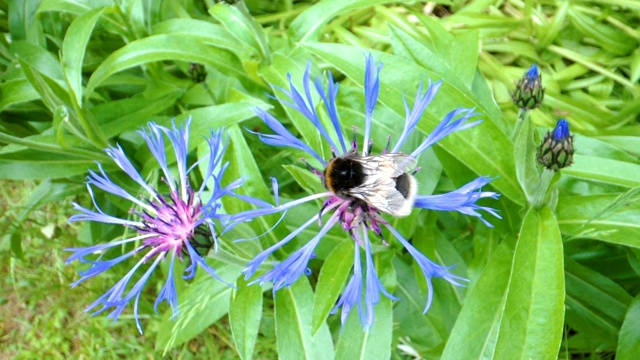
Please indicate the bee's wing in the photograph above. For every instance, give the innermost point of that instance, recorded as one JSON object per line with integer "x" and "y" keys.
{"x": 379, "y": 188}
{"x": 391, "y": 165}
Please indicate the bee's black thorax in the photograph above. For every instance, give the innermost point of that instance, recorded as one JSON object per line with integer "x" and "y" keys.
{"x": 342, "y": 174}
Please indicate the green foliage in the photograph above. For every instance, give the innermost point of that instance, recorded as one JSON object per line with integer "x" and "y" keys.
{"x": 558, "y": 276}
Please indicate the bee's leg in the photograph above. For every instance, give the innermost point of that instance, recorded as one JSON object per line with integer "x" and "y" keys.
{"x": 386, "y": 148}
{"x": 354, "y": 142}
{"x": 312, "y": 169}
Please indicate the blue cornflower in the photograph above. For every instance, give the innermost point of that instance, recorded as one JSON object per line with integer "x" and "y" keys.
{"x": 167, "y": 226}
{"x": 360, "y": 212}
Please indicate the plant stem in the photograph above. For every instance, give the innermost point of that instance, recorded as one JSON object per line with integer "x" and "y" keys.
{"x": 543, "y": 186}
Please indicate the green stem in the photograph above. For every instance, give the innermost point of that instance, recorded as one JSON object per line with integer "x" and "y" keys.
{"x": 543, "y": 186}
{"x": 523, "y": 115}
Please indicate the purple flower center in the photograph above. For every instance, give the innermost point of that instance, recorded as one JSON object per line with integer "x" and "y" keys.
{"x": 173, "y": 223}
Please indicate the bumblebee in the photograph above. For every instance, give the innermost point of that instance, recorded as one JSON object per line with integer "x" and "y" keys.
{"x": 381, "y": 181}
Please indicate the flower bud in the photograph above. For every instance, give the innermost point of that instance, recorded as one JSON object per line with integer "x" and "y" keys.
{"x": 197, "y": 72}
{"x": 556, "y": 150}
{"x": 529, "y": 91}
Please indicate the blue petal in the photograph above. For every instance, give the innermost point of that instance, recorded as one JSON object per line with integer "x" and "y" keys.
{"x": 168, "y": 291}
{"x": 102, "y": 181}
{"x": 446, "y": 127}
{"x": 462, "y": 200}
{"x": 100, "y": 266}
{"x": 283, "y": 137}
{"x": 371, "y": 90}
{"x": 197, "y": 260}
{"x": 532, "y": 73}
{"x": 352, "y": 294}
{"x": 179, "y": 137}
{"x": 305, "y": 106}
{"x": 90, "y": 215}
{"x": 118, "y": 156}
{"x": 373, "y": 286}
{"x": 428, "y": 267}
{"x": 80, "y": 253}
{"x": 254, "y": 264}
{"x": 288, "y": 271}
{"x": 217, "y": 148}
{"x": 155, "y": 142}
{"x": 561, "y": 131}
{"x": 249, "y": 215}
{"x": 413, "y": 116}
{"x": 329, "y": 100}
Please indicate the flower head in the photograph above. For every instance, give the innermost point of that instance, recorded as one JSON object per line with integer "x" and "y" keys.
{"x": 362, "y": 189}
{"x": 529, "y": 91}
{"x": 556, "y": 150}
{"x": 178, "y": 224}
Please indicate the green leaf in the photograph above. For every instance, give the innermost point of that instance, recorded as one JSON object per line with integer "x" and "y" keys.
{"x": 34, "y": 164}
{"x": 40, "y": 60}
{"x": 15, "y": 92}
{"x": 407, "y": 312}
{"x": 242, "y": 26}
{"x": 356, "y": 343}
{"x": 629, "y": 341}
{"x": 635, "y": 66}
{"x": 595, "y": 305}
{"x": 333, "y": 276}
{"x": 208, "y": 32}
{"x": 203, "y": 303}
{"x": 44, "y": 72}
{"x": 525, "y": 154}
{"x": 23, "y": 22}
{"x": 118, "y": 116}
{"x": 548, "y": 30}
{"x": 533, "y": 319}
{"x": 439, "y": 65}
{"x": 608, "y": 218}
{"x": 51, "y": 93}
{"x": 76, "y": 7}
{"x": 471, "y": 146}
{"x": 604, "y": 170}
{"x": 308, "y": 25}
{"x": 74, "y": 47}
{"x": 625, "y": 137}
{"x": 306, "y": 179}
{"x": 245, "y": 313}
{"x": 293, "y": 325}
{"x": 161, "y": 48}
{"x": 460, "y": 53}
{"x": 592, "y": 115}
{"x": 475, "y": 333}
{"x": 608, "y": 37}
{"x": 601, "y": 147}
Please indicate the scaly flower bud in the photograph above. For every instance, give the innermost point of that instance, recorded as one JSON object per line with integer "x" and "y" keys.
{"x": 556, "y": 150}
{"x": 197, "y": 72}
{"x": 529, "y": 91}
